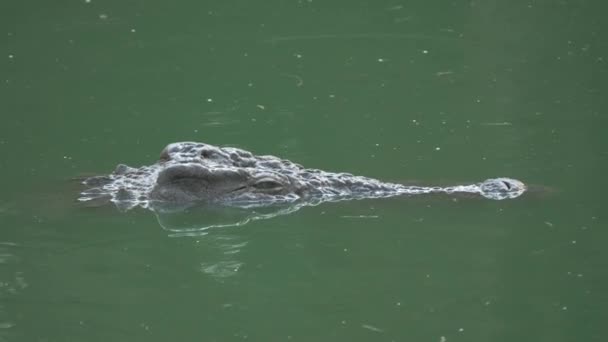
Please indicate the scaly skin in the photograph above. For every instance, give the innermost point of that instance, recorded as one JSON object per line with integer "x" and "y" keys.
{"x": 190, "y": 172}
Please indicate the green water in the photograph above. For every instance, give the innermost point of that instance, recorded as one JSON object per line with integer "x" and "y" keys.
{"x": 435, "y": 92}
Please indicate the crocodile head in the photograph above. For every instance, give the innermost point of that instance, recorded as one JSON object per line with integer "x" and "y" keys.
{"x": 191, "y": 172}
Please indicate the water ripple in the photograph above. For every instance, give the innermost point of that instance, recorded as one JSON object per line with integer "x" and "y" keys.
{"x": 12, "y": 282}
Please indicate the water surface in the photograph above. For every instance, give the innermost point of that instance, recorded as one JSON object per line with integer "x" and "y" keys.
{"x": 401, "y": 91}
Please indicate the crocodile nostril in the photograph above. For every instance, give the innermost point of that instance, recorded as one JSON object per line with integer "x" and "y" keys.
{"x": 507, "y": 184}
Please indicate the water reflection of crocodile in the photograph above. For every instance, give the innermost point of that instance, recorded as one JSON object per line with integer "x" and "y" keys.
{"x": 189, "y": 173}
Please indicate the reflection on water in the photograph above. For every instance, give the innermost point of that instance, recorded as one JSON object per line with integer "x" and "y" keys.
{"x": 227, "y": 247}
{"x": 221, "y": 269}
{"x": 195, "y": 221}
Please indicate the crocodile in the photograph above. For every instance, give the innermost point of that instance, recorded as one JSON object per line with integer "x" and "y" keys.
{"x": 190, "y": 173}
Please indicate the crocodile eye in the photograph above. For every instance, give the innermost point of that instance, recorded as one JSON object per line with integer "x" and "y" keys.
{"x": 267, "y": 184}
{"x": 206, "y": 153}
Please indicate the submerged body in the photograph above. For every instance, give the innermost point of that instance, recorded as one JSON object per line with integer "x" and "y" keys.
{"x": 190, "y": 172}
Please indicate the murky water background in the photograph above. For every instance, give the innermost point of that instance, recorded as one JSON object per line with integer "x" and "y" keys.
{"x": 401, "y": 91}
